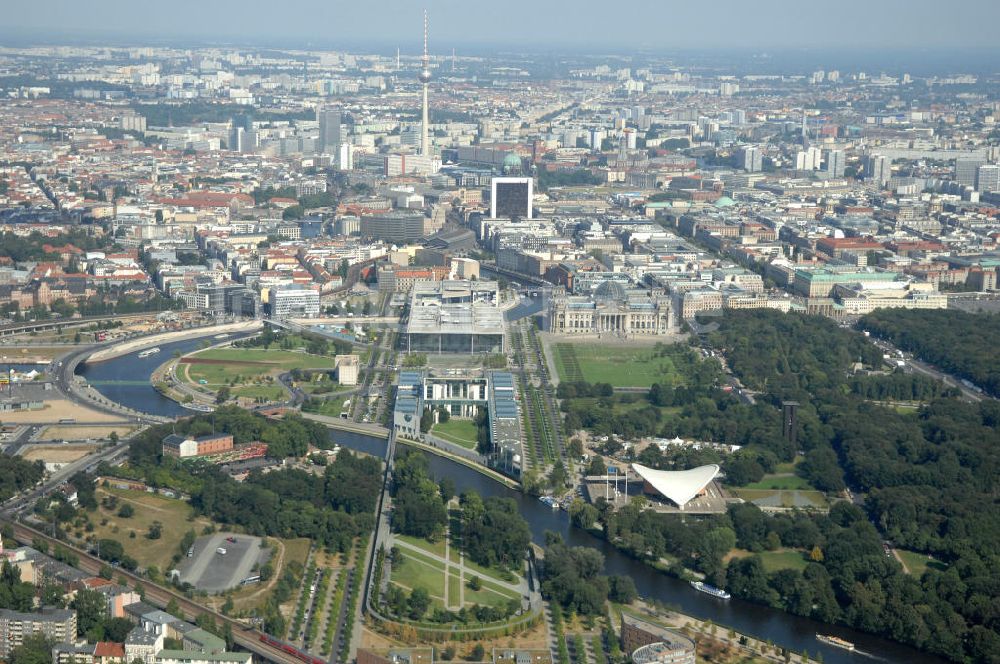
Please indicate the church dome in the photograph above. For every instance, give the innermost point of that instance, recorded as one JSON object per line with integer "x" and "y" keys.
{"x": 511, "y": 163}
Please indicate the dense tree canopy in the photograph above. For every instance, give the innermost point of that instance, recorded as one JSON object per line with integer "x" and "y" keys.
{"x": 955, "y": 341}
{"x": 931, "y": 480}
{"x": 493, "y": 532}
{"x": 18, "y": 474}
{"x": 419, "y": 509}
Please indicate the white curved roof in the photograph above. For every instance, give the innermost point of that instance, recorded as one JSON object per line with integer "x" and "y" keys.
{"x": 680, "y": 486}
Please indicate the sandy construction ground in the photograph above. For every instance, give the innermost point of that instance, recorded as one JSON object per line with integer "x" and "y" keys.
{"x": 58, "y": 453}
{"x": 58, "y": 409}
{"x": 71, "y": 432}
{"x": 28, "y": 353}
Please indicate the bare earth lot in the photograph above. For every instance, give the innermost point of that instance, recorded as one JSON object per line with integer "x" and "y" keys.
{"x": 58, "y": 453}
{"x": 70, "y": 432}
{"x": 58, "y": 409}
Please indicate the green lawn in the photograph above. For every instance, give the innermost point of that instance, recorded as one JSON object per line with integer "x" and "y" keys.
{"x": 269, "y": 392}
{"x": 777, "y": 560}
{"x": 621, "y": 366}
{"x": 434, "y": 548}
{"x": 789, "y": 466}
{"x": 778, "y": 498}
{"x": 460, "y": 432}
{"x": 485, "y": 573}
{"x": 784, "y": 482}
{"x": 329, "y": 407}
{"x": 269, "y": 363}
{"x": 416, "y": 571}
{"x": 487, "y": 596}
{"x": 917, "y": 563}
{"x": 454, "y": 589}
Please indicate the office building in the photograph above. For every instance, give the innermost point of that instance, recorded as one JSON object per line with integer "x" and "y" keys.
{"x": 836, "y": 162}
{"x": 511, "y": 197}
{"x": 966, "y": 169}
{"x": 877, "y": 169}
{"x": 455, "y": 317}
{"x": 988, "y": 179}
{"x": 753, "y": 159}
{"x": 294, "y": 302}
{"x": 237, "y": 139}
{"x": 329, "y": 130}
{"x": 808, "y": 159}
{"x": 395, "y": 226}
{"x": 464, "y": 393}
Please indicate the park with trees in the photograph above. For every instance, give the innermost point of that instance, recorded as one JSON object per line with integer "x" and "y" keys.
{"x": 927, "y": 475}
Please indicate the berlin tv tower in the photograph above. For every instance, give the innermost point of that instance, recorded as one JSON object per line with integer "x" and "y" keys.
{"x": 425, "y": 78}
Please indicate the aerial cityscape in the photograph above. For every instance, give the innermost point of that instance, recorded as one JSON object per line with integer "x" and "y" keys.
{"x": 557, "y": 334}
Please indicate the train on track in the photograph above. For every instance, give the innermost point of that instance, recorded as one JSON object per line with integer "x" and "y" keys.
{"x": 291, "y": 650}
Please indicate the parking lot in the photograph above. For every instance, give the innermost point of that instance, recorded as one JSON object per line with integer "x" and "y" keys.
{"x": 207, "y": 569}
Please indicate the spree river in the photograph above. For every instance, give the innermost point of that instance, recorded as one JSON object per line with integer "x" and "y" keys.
{"x": 122, "y": 379}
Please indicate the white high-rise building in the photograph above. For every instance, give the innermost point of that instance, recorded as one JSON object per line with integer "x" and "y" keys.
{"x": 753, "y": 159}
{"x": 345, "y": 157}
{"x": 878, "y": 169}
{"x": 808, "y": 160}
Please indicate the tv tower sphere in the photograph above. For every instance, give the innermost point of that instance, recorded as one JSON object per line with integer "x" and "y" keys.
{"x": 424, "y": 75}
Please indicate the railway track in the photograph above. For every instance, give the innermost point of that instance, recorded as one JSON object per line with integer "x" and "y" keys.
{"x": 247, "y": 638}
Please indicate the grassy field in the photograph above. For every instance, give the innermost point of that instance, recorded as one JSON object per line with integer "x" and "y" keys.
{"x": 267, "y": 392}
{"x": 485, "y": 573}
{"x": 621, "y": 366}
{"x": 778, "y": 498}
{"x": 917, "y": 563}
{"x": 460, "y": 432}
{"x": 454, "y": 588}
{"x": 417, "y": 570}
{"x": 774, "y": 560}
{"x": 260, "y": 363}
{"x": 782, "y": 482}
{"x": 489, "y": 595}
{"x": 413, "y": 570}
{"x": 174, "y": 515}
{"x": 329, "y": 407}
{"x": 433, "y": 548}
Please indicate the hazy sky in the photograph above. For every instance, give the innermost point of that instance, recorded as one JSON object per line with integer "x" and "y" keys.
{"x": 647, "y": 24}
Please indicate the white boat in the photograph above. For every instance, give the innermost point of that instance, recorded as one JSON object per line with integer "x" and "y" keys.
{"x": 710, "y": 590}
{"x": 834, "y": 641}
{"x": 149, "y": 351}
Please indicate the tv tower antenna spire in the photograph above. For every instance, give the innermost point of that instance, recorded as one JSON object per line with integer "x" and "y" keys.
{"x": 425, "y": 78}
